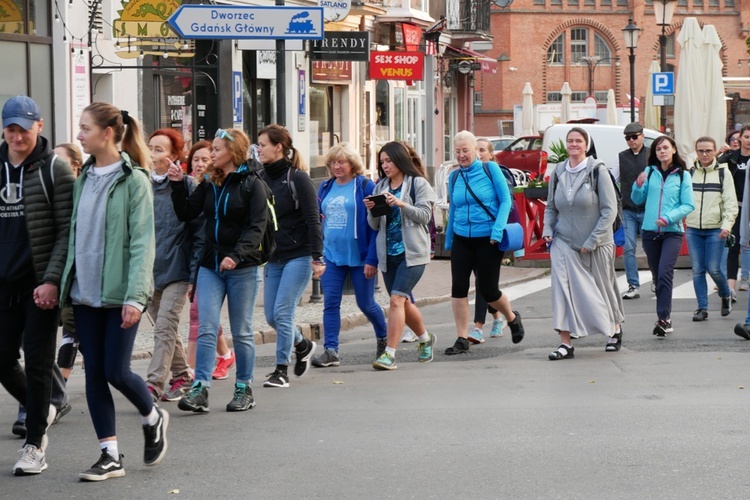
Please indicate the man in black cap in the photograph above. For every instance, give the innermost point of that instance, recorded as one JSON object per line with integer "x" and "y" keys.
{"x": 633, "y": 161}
{"x": 36, "y": 201}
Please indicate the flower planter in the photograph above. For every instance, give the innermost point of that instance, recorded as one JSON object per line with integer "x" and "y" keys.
{"x": 539, "y": 193}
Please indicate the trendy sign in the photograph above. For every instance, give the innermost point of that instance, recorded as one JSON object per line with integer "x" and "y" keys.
{"x": 396, "y": 65}
{"x": 341, "y": 46}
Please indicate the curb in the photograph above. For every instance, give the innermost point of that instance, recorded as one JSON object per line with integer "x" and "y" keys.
{"x": 313, "y": 331}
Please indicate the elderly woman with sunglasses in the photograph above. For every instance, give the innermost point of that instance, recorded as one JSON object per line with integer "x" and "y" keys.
{"x": 234, "y": 204}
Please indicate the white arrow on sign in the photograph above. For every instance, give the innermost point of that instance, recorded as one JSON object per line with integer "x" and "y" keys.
{"x": 228, "y": 22}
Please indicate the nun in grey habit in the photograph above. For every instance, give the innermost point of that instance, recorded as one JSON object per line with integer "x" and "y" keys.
{"x": 578, "y": 226}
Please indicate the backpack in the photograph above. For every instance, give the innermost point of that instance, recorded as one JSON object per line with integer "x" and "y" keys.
{"x": 514, "y": 215}
{"x": 595, "y": 182}
{"x": 47, "y": 176}
{"x": 268, "y": 241}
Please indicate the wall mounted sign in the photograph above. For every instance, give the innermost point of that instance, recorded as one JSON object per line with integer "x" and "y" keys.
{"x": 336, "y": 72}
{"x": 396, "y": 65}
{"x": 341, "y": 46}
{"x": 335, "y": 10}
{"x": 412, "y": 36}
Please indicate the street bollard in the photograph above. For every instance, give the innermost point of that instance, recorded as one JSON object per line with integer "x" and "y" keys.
{"x": 316, "y": 296}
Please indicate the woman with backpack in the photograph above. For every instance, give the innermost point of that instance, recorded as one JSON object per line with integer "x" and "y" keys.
{"x": 666, "y": 188}
{"x": 480, "y": 203}
{"x": 709, "y": 225}
{"x": 581, "y": 208}
{"x": 234, "y": 203}
{"x": 299, "y": 249}
{"x": 349, "y": 249}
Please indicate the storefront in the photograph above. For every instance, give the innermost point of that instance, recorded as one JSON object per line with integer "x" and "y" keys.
{"x": 259, "y": 90}
{"x": 26, "y": 55}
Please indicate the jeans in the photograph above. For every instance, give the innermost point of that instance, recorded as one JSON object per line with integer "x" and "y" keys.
{"x": 24, "y": 323}
{"x": 400, "y": 279}
{"x": 662, "y": 250}
{"x": 240, "y": 287}
{"x": 282, "y": 290}
{"x": 632, "y": 222}
{"x": 169, "y": 353}
{"x": 107, "y": 349}
{"x": 332, "y": 282}
{"x": 706, "y": 249}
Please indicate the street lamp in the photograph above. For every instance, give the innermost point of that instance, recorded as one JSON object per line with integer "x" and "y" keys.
{"x": 663, "y": 11}
{"x": 630, "y": 33}
{"x": 592, "y": 62}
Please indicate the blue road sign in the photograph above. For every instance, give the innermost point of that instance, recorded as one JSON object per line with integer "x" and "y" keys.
{"x": 662, "y": 83}
{"x": 229, "y": 22}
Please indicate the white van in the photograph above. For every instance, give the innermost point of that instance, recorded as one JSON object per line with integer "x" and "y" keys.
{"x": 606, "y": 140}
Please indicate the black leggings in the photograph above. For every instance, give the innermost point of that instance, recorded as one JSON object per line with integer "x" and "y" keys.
{"x": 468, "y": 254}
{"x": 481, "y": 307}
{"x": 733, "y": 256}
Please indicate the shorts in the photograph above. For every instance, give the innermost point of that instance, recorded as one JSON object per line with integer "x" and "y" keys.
{"x": 400, "y": 279}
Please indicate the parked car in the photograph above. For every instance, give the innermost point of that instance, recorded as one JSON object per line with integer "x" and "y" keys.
{"x": 499, "y": 142}
{"x": 606, "y": 142}
{"x": 525, "y": 153}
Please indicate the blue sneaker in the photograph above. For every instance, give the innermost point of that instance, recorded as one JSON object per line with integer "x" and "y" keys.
{"x": 497, "y": 327}
{"x": 476, "y": 336}
{"x": 425, "y": 349}
{"x": 385, "y": 362}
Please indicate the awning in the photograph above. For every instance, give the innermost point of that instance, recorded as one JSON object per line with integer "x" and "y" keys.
{"x": 489, "y": 65}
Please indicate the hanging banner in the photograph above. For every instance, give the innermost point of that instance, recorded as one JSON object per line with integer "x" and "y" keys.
{"x": 412, "y": 36}
{"x": 396, "y": 66}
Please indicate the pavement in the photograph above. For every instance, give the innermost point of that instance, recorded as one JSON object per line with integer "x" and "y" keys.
{"x": 433, "y": 288}
{"x": 662, "y": 418}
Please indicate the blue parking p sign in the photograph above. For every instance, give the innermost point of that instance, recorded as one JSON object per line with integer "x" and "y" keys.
{"x": 662, "y": 83}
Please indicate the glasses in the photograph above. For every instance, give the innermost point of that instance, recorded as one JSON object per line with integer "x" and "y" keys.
{"x": 705, "y": 151}
{"x": 223, "y": 134}
{"x": 338, "y": 163}
{"x": 734, "y": 139}
{"x": 632, "y": 137}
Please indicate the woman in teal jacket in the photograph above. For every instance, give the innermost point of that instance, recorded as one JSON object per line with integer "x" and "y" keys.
{"x": 667, "y": 190}
{"x": 108, "y": 277}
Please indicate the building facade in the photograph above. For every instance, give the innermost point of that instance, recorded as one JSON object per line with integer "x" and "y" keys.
{"x": 549, "y": 42}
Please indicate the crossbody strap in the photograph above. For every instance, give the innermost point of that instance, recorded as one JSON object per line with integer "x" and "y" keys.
{"x": 476, "y": 198}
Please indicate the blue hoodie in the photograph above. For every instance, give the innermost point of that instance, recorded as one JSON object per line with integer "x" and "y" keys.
{"x": 363, "y": 233}
{"x": 668, "y": 198}
{"x": 465, "y": 216}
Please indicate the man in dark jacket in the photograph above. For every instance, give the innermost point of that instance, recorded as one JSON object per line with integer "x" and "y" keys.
{"x": 633, "y": 161}
{"x": 35, "y": 206}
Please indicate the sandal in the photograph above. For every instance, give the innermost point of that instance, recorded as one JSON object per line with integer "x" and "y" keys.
{"x": 614, "y": 346}
{"x": 562, "y": 352}
{"x": 461, "y": 346}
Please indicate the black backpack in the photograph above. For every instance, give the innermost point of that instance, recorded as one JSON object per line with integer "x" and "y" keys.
{"x": 268, "y": 241}
{"x": 595, "y": 182}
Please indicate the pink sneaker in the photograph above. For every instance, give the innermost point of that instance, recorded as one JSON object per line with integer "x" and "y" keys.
{"x": 223, "y": 366}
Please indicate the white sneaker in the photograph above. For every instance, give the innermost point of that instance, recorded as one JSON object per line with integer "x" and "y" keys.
{"x": 744, "y": 285}
{"x": 408, "y": 335}
{"x": 32, "y": 461}
{"x": 633, "y": 292}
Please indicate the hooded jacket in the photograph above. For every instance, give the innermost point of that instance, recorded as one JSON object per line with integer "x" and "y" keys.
{"x": 236, "y": 215}
{"x": 128, "y": 238}
{"x": 669, "y": 198}
{"x": 47, "y": 216}
{"x": 715, "y": 204}
{"x": 365, "y": 235}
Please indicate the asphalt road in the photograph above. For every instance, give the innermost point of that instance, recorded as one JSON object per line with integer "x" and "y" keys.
{"x": 663, "y": 418}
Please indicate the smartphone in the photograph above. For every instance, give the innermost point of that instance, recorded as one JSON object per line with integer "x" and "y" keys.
{"x": 381, "y": 207}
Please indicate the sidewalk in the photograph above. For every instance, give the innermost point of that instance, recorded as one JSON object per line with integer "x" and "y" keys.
{"x": 434, "y": 287}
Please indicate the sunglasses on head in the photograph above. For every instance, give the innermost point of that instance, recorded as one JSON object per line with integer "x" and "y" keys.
{"x": 632, "y": 137}
{"x": 223, "y": 134}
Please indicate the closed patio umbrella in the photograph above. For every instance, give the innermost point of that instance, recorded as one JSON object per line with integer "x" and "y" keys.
{"x": 565, "y": 110}
{"x": 689, "y": 102}
{"x": 527, "y": 110}
{"x": 651, "y": 113}
{"x": 611, "y": 108}
{"x": 715, "y": 124}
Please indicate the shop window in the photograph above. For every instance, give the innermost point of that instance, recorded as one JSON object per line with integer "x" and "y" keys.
{"x": 175, "y": 101}
{"x": 13, "y": 55}
{"x": 382, "y": 110}
{"x": 398, "y": 109}
{"x": 556, "y": 51}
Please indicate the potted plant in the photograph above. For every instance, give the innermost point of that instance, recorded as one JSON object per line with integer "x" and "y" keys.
{"x": 537, "y": 187}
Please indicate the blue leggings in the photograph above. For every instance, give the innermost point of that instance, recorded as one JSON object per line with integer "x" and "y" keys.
{"x": 106, "y": 349}
{"x": 332, "y": 282}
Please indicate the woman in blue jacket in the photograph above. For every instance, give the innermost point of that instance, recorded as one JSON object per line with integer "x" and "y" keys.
{"x": 349, "y": 249}
{"x": 667, "y": 190}
{"x": 480, "y": 203}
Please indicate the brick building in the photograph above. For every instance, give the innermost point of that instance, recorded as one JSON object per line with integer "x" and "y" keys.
{"x": 548, "y": 42}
